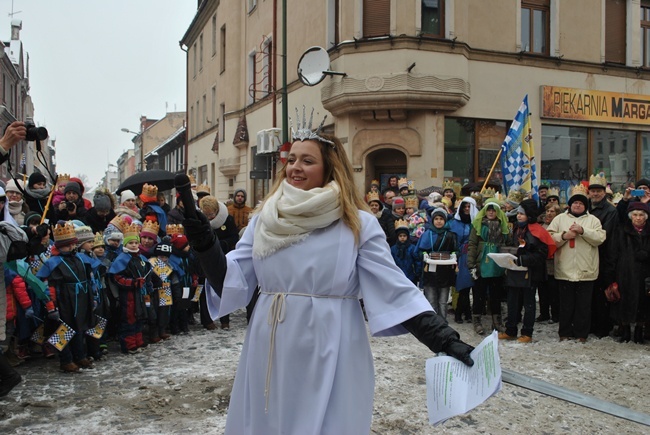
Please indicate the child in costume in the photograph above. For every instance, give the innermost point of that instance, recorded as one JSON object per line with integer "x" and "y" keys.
{"x": 404, "y": 253}
{"x": 182, "y": 260}
{"x": 132, "y": 274}
{"x": 70, "y": 281}
{"x": 58, "y": 194}
{"x": 169, "y": 289}
{"x": 151, "y": 210}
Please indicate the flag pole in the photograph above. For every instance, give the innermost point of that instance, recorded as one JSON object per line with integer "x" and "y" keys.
{"x": 487, "y": 179}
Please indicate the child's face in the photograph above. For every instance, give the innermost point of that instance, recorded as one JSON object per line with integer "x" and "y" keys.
{"x": 402, "y": 237}
{"x": 86, "y": 246}
{"x": 59, "y": 187}
{"x": 163, "y": 258}
{"x": 147, "y": 242}
{"x": 374, "y": 207}
{"x": 40, "y": 185}
{"x": 438, "y": 222}
{"x": 404, "y": 191}
{"x": 113, "y": 242}
{"x": 99, "y": 251}
{"x": 410, "y": 211}
{"x": 68, "y": 248}
{"x": 187, "y": 248}
{"x": 132, "y": 245}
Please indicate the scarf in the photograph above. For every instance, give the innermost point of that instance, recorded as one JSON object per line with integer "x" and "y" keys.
{"x": 473, "y": 211}
{"x": 15, "y": 207}
{"x": 38, "y": 193}
{"x": 291, "y": 214}
{"x": 220, "y": 219}
{"x": 501, "y": 217}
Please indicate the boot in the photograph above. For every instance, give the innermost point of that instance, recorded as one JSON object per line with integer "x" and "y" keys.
{"x": 626, "y": 334}
{"x": 9, "y": 377}
{"x": 497, "y": 323}
{"x": 638, "y": 333}
{"x": 478, "y": 328}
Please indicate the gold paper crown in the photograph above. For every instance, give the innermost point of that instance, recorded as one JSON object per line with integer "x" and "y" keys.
{"x": 192, "y": 179}
{"x": 411, "y": 185}
{"x": 99, "y": 240}
{"x": 120, "y": 223}
{"x": 63, "y": 178}
{"x": 516, "y": 195}
{"x": 132, "y": 230}
{"x": 64, "y": 232}
{"x": 579, "y": 189}
{"x": 372, "y": 196}
{"x": 402, "y": 183}
{"x": 173, "y": 229}
{"x": 447, "y": 184}
{"x": 411, "y": 201}
{"x": 375, "y": 182}
{"x": 488, "y": 193}
{"x": 203, "y": 188}
{"x": 553, "y": 192}
{"x": 150, "y": 190}
{"x": 150, "y": 227}
{"x": 617, "y": 197}
{"x": 401, "y": 224}
{"x": 598, "y": 180}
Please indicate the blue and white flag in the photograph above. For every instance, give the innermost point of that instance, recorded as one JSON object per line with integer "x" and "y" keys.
{"x": 518, "y": 154}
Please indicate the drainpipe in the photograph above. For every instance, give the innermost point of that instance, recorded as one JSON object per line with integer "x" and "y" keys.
{"x": 187, "y": 97}
{"x": 274, "y": 76}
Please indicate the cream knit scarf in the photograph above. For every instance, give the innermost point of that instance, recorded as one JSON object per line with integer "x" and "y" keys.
{"x": 290, "y": 214}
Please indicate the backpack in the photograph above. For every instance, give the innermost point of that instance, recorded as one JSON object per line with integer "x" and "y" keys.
{"x": 13, "y": 242}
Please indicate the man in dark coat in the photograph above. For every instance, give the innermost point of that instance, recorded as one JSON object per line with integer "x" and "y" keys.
{"x": 606, "y": 213}
{"x": 99, "y": 216}
{"x": 73, "y": 207}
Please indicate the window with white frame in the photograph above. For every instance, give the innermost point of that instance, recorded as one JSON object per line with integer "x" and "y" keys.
{"x": 251, "y": 78}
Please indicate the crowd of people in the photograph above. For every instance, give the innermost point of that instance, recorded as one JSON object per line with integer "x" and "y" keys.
{"x": 586, "y": 261}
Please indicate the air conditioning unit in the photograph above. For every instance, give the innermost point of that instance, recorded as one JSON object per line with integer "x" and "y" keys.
{"x": 269, "y": 140}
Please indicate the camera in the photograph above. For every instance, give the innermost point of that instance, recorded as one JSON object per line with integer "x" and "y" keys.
{"x": 70, "y": 206}
{"x": 34, "y": 133}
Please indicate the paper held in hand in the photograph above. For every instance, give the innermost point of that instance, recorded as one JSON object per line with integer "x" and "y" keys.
{"x": 451, "y": 261}
{"x": 505, "y": 260}
{"x": 454, "y": 388}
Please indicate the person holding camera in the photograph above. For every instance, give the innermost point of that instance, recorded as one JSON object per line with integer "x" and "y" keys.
{"x": 14, "y": 133}
{"x": 73, "y": 207}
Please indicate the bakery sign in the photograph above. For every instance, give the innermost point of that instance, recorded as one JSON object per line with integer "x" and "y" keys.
{"x": 591, "y": 105}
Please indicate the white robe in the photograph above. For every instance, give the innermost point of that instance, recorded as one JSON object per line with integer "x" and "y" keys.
{"x": 321, "y": 372}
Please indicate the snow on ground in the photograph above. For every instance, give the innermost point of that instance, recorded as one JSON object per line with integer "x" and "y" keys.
{"x": 183, "y": 385}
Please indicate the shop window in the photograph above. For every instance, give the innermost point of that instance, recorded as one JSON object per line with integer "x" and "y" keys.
{"x": 376, "y": 18}
{"x": 616, "y": 166}
{"x": 600, "y": 148}
{"x": 564, "y": 157}
{"x": 473, "y": 140}
{"x": 615, "y": 29}
{"x": 645, "y": 33}
{"x": 535, "y": 26}
{"x": 433, "y": 18}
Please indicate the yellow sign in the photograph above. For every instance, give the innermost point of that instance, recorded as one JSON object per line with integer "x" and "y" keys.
{"x": 590, "y": 105}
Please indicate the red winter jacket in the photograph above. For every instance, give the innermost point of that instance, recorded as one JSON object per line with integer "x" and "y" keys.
{"x": 17, "y": 292}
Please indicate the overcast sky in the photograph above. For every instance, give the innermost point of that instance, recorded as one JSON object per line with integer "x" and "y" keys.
{"x": 96, "y": 66}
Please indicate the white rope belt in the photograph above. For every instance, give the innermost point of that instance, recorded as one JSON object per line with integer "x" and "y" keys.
{"x": 277, "y": 315}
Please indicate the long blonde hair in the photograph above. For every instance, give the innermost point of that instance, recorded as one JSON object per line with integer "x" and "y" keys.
{"x": 336, "y": 167}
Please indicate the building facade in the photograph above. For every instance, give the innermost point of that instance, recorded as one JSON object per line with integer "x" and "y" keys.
{"x": 430, "y": 86}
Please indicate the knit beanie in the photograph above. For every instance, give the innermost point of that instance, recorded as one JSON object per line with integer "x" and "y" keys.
{"x": 530, "y": 209}
{"x": 642, "y": 182}
{"x": 179, "y": 241}
{"x": 638, "y": 205}
{"x": 398, "y": 201}
{"x": 80, "y": 183}
{"x": 84, "y": 234}
{"x": 163, "y": 249}
{"x": 439, "y": 212}
{"x": 32, "y": 215}
{"x": 101, "y": 202}
{"x": 12, "y": 187}
{"x": 72, "y": 186}
{"x": 126, "y": 195}
{"x": 36, "y": 177}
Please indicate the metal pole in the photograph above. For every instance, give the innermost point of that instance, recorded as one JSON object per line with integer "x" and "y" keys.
{"x": 285, "y": 103}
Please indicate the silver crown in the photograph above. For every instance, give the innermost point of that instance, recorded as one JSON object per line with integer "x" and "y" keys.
{"x": 304, "y": 131}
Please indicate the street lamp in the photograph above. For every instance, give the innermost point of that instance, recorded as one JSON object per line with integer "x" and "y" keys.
{"x": 126, "y": 130}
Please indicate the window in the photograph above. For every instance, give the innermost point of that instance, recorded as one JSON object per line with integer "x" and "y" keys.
{"x": 612, "y": 147}
{"x": 645, "y": 33}
{"x": 202, "y": 176}
{"x": 600, "y": 147}
{"x": 564, "y": 159}
{"x": 205, "y": 111}
{"x": 433, "y": 18}
{"x": 267, "y": 66}
{"x": 199, "y": 121}
{"x": 376, "y": 18}
{"x": 615, "y": 29}
{"x": 616, "y": 164}
{"x": 223, "y": 48}
{"x": 214, "y": 35}
{"x": 192, "y": 130}
{"x": 194, "y": 55}
{"x": 252, "y": 77}
{"x": 472, "y": 140}
{"x": 201, "y": 52}
{"x": 624, "y": 146}
{"x": 535, "y": 27}
{"x": 222, "y": 122}
{"x": 213, "y": 118}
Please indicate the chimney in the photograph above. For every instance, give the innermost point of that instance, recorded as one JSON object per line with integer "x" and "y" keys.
{"x": 16, "y": 26}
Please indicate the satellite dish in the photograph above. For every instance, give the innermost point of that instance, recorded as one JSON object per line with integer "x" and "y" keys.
{"x": 314, "y": 65}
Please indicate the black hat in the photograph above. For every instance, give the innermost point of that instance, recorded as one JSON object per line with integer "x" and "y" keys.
{"x": 101, "y": 202}
{"x": 36, "y": 177}
{"x": 542, "y": 186}
{"x": 530, "y": 208}
{"x": 163, "y": 248}
{"x": 72, "y": 187}
{"x": 642, "y": 182}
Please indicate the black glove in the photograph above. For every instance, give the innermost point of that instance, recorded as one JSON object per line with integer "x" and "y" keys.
{"x": 54, "y": 315}
{"x": 437, "y": 335}
{"x": 460, "y": 351}
{"x": 199, "y": 233}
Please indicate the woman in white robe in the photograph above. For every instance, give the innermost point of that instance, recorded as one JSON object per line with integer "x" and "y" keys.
{"x": 306, "y": 365}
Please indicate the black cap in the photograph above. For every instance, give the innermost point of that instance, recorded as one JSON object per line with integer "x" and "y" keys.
{"x": 642, "y": 182}
{"x": 36, "y": 177}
